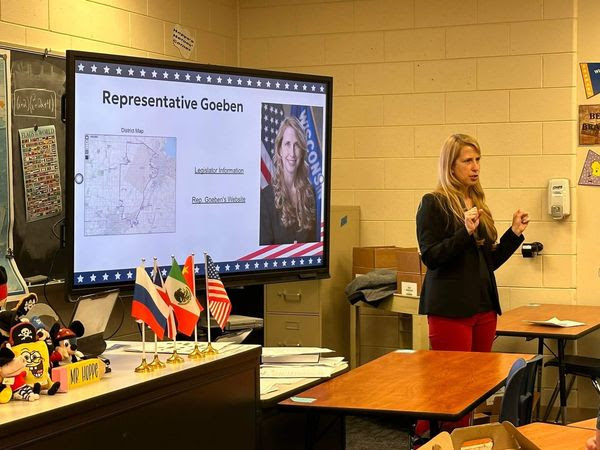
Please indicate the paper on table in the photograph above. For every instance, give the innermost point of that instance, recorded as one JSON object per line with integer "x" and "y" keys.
{"x": 268, "y": 385}
{"x": 296, "y": 371}
{"x": 556, "y": 322}
{"x": 282, "y": 351}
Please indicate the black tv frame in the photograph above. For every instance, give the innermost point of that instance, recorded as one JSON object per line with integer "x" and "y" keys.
{"x": 229, "y": 279}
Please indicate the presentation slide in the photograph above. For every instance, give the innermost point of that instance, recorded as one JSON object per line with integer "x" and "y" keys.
{"x": 170, "y": 161}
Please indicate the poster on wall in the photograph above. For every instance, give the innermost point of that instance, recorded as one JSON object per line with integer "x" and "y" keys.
{"x": 590, "y": 72}
{"x": 589, "y": 124}
{"x": 590, "y": 174}
{"x": 41, "y": 173}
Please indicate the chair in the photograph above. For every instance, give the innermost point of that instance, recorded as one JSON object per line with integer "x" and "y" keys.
{"x": 517, "y": 403}
{"x": 577, "y": 366}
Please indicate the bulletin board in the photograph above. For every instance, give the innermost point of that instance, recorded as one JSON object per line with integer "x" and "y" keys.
{"x": 37, "y": 89}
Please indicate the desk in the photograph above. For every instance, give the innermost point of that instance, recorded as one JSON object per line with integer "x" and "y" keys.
{"x": 270, "y": 399}
{"x": 278, "y": 429}
{"x": 197, "y": 401}
{"x": 549, "y": 436}
{"x": 420, "y": 384}
{"x": 588, "y": 424}
{"x": 514, "y": 323}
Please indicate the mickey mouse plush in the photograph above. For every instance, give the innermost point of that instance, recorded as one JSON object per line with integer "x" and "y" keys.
{"x": 65, "y": 343}
{"x": 12, "y": 378}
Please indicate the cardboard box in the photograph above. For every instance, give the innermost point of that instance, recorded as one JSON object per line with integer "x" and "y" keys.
{"x": 408, "y": 260}
{"x": 504, "y": 436}
{"x": 409, "y": 284}
{"x": 358, "y": 270}
{"x": 374, "y": 257}
{"x": 488, "y": 411}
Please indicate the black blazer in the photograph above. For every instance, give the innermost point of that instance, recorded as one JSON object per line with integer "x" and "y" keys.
{"x": 452, "y": 284}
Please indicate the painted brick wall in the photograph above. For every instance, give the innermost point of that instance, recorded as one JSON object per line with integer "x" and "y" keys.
{"x": 129, "y": 27}
{"x": 407, "y": 73}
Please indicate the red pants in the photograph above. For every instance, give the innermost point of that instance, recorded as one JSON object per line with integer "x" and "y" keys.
{"x": 469, "y": 334}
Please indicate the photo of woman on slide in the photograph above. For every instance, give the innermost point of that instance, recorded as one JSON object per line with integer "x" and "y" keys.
{"x": 288, "y": 203}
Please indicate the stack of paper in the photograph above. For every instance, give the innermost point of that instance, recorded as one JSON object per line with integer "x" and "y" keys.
{"x": 556, "y": 322}
{"x": 298, "y": 362}
{"x": 292, "y": 354}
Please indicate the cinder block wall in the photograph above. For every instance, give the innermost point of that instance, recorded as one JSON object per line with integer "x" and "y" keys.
{"x": 127, "y": 27}
{"x": 407, "y": 73}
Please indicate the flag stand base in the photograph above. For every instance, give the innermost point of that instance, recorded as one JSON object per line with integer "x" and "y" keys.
{"x": 196, "y": 353}
{"x": 210, "y": 350}
{"x": 175, "y": 358}
{"x": 143, "y": 367}
{"x": 157, "y": 363}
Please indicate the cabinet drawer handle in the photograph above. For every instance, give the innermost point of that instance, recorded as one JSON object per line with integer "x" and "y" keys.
{"x": 290, "y": 297}
{"x": 292, "y": 325}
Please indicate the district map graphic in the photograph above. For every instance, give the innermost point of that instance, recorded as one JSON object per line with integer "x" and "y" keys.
{"x": 129, "y": 184}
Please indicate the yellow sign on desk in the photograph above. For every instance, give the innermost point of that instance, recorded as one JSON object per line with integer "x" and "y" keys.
{"x": 79, "y": 373}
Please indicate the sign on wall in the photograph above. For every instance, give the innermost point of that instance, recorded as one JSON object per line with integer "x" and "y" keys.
{"x": 590, "y": 72}
{"x": 589, "y": 124}
{"x": 590, "y": 174}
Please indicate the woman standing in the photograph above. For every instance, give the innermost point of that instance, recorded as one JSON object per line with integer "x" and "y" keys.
{"x": 457, "y": 239}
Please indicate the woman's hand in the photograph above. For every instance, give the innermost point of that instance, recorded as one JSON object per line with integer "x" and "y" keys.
{"x": 591, "y": 444}
{"x": 520, "y": 221}
{"x": 472, "y": 219}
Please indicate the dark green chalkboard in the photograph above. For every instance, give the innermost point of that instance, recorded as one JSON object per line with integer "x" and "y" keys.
{"x": 37, "y": 87}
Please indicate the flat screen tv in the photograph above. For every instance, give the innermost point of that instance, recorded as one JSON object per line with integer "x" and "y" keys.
{"x": 170, "y": 158}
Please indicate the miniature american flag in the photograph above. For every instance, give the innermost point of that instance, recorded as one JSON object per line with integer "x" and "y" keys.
{"x": 216, "y": 296}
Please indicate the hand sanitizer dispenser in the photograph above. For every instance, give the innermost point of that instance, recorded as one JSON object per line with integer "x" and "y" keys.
{"x": 559, "y": 203}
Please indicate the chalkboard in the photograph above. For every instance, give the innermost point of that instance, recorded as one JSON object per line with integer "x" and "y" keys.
{"x": 37, "y": 87}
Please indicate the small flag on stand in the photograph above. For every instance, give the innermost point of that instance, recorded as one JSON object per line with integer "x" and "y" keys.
{"x": 3, "y": 286}
{"x": 190, "y": 277}
{"x": 183, "y": 300}
{"x": 157, "y": 279}
{"x": 147, "y": 305}
{"x": 216, "y": 295}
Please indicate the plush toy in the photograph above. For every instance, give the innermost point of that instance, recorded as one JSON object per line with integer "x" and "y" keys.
{"x": 9, "y": 319}
{"x": 42, "y": 332}
{"x": 13, "y": 378}
{"x": 64, "y": 341}
{"x": 23, "y": 340}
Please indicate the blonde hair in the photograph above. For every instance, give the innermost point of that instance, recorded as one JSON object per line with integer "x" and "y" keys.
{"x": 450, "y": 188}
{"x": 301, "y": 214}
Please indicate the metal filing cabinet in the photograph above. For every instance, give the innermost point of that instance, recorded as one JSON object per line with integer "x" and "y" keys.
{"x": 317, "y": 313}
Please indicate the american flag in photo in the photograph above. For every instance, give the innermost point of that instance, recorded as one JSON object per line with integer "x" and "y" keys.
{"x": 216, "y": 296}
{"x": 287, "y": 250}
{"x": 272, "y": 115}
{"x": 271, "y": 118}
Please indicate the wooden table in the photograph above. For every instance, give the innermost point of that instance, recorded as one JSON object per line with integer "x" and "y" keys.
{"x": 420, "y": 384}
{"x": 515, "y": 323}
{"x": 549, "y": 436}
{"x": 197, "y": 401}
{"x": 589, "y": 424}
{"x": 276, "y": 428}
